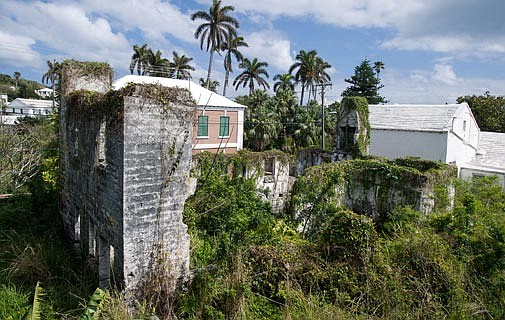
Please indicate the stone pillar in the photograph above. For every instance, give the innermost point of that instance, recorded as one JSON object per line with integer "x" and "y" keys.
{"x": 103, "y": 263}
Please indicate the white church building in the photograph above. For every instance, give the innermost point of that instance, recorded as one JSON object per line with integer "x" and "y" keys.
{"x": 446, "y": 133}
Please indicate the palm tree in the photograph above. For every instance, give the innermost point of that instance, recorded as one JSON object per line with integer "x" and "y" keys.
{"x": 140, "y": 59}
{"x": 378, "y": 66}
{"x": 180, "y": 66}
{"x": 156, "y": 65}
{"x": 262, "y": 127}
{"x": 17, "y": 75}
{"x": 218, "y": 28}
{"x": 310, "y": 70}
{"x": 284, "y": 82}
{"x": 253, "y": 71}
{"x": 53, "y": 73}
{"x": 212, "y": 86}
{"x": 231, "y": 47}
{"x": 303, "y": 65}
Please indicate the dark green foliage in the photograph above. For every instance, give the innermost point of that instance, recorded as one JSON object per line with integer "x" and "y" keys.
{"x": 488, "y": 110}
{"x": 25, "y": 88}
{"x": 348, "y": 236}
{"x": 33, "y": 248}
{"x": 226, "y": 214}
{"x": 323, "y": 188}
{"x": 365, "y": 83}
{"x": 279, "y": 122}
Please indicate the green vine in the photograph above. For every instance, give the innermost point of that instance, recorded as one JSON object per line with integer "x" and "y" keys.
{"x": 322, "y": 189}
{"x": 363, "y": 141}
{"x": 91, "y": 70}
{"x": 236, "y": 163}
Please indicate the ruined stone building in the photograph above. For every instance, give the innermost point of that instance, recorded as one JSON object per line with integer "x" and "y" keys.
{"x": 125, "y": 158}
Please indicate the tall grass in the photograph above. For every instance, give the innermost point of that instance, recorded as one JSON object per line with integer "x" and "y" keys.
{"x": 32, "y": 249}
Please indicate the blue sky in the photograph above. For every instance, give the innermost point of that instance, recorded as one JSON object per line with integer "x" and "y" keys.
{"x": 433, "y": 51}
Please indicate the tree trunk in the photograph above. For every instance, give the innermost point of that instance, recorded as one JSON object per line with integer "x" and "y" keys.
{"x": 303, "y": 91}
{"x": 226, "y": 76}
{"x": 210, "y": 67}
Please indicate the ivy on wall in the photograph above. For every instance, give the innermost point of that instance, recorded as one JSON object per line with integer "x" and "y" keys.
{"x": 322, "y": 189}
{"x": 362, "y": 142}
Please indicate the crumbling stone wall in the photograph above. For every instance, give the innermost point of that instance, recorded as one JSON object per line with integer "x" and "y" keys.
{"x": 270, "y": 171}
{"x": 373, "y": 187}
{"x": 125, "y": 158}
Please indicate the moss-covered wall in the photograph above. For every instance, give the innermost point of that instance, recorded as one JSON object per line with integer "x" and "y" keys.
{"x": 125, "y": 159}
{"x": 353, "y": 113}
{"x": 370, "y": 186}
{"x": 272, "y": 185}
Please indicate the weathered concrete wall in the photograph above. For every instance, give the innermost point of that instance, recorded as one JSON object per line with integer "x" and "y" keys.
{"x": 371, "y": 187}
{"x": 272, "y": 175}
{"x": 157, "y": 157}
{"x": 125, "y": 160}
{"x": 270, "y": 171}
{"x": 312, "y": 157}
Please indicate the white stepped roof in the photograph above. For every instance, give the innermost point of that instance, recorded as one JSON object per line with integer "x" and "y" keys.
{"x": 202, "y": 96}
{"x": 31, "y": 103}
{"x": 491, "y": 153}
{"x": 412, "y": 117}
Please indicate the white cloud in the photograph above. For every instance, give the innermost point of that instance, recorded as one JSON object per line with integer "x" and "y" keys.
{"x": 66, "y": 29}
{"x": 445, "y": 73}
{"x": 438, "y": 86}
{"x": 342, "y": 13}
{"x": 269, "y": 46}
{"x": 466, "y": 27}
{"x": 154, "y": 18}
{"x": 17, "y": 50}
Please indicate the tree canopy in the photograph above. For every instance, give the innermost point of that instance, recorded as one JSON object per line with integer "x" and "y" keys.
{"x": 366, "y": 82}
{"x": 488, "y": 110}
{"x": 218, "y": 27}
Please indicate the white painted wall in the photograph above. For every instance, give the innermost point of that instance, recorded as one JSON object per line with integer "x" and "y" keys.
{"x": 458, "y": 150}
{"x": 394, "y": 144}
{"x": 463, "y": 138}
{"x": 468, "y": 173}
{"x": 240, "y": 131}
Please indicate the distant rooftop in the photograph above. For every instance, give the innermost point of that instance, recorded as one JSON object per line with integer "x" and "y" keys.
{"x": 202, "y": 96}
{"x": 491, "y": 153}
{"x": 32, "y": 103}
{"x": 413, "y": 117}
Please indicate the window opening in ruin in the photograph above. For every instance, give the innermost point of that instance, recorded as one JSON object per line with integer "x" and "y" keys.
{"x": 92, "y": 240}
{"x": 347, "y": 137}
{"x": 101, "y": 147}
{"x": 269, "y": 166}
{"x": 77, "y": 226}
{"x": 203, "y": 126}
{"x": 76, "y": 142}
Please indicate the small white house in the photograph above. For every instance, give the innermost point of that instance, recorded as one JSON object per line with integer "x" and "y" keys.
{"x": 446, "y": 133}
{"x": 219, "y": 126}
{"x": 44, "y": 93}
{"x": 30, "y": 107}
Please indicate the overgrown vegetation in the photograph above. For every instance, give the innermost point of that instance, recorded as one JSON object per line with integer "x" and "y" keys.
{"x": 279, "y": 122}
{"x": 23, "y": 89}
{"x": 250, "y": 263}
{"x": 488, "y": 110}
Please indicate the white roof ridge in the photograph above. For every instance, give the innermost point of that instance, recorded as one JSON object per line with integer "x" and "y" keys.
{"x": 202, "y": 96}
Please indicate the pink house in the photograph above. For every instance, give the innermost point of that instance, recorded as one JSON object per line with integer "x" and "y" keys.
{"x": 219, "y": 124}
